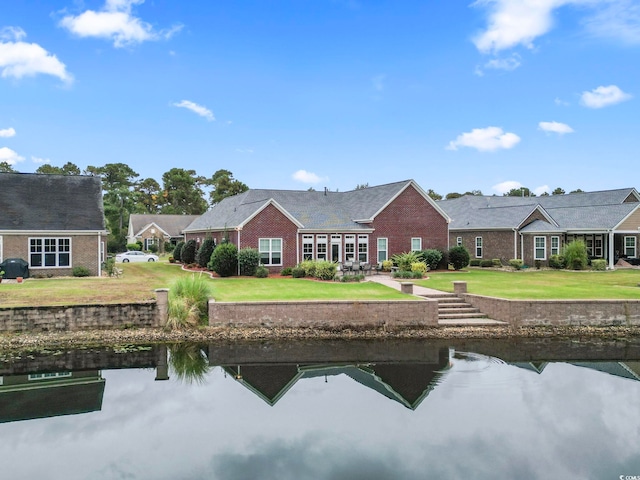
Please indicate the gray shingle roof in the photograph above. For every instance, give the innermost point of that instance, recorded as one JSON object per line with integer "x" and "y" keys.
{"x": 313, "y": 210}
{"x": 589, "y": 210}
{"x": 172, "y": 224}
{"x": 31, "y": 202}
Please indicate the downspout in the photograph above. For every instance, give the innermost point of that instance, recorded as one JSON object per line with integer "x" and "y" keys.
{"x": 99, "y": 255}
{"x": 515, "y": 243}
{"x": 238, "y": 250}
{"x": 297, "y": 247}
{"x": 522, "y": 247}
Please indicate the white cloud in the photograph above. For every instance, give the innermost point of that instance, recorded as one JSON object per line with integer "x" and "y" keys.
{"x": 40, "y": 160}
{"x": 9, "y": 156}
{"x": 244, "y": 150}
{"x": 515, "y": 22}
{"x": 195, "y": 108}
{"x": 308, "y": 177}
{"x": 21, "y": 59}
{"x": 555, "y": 127}
{"x": 508, "y": 64}
{"x": 561, "y": 103}
{"x": 619, "y": 19}
{"x": 542, "y": 189}
{"x": 117, "y": 23}
{"x": 485, "y": 139}
{"x": 7, "y": 132}
{"x": 603, "y": 97}
{"x": 507, "y": 186}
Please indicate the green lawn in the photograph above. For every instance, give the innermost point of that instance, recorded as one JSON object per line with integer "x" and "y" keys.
{"x": 543, "y": 284}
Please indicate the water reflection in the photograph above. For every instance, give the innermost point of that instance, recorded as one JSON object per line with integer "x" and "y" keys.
{"x": 327, "y": 410}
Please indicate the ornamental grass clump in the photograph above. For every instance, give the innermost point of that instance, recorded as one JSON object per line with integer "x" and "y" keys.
{"x": 575, "y": 255}
{"x": 188, "y": 301}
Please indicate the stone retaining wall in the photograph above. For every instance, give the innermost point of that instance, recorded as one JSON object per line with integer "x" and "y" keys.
{"x": 558, "y": 312}
{"x": 325, "y": 314}
{"x": 79, "y": 317}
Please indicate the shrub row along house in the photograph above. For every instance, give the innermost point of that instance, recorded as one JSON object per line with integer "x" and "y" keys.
{"x": 54, "y": 222}
{"x": 534, "y": 228}
{"x": 368, "y": 225}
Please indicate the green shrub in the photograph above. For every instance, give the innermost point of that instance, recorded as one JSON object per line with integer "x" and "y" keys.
{"x": 110, "y": 267}
{"x": 188, "y": 253}
{"x": 81, "y": 271}
{"x": 177, "y": 251}
{"x": 188, "y": 301}
{"x": 262, "y": 271}
{"x": 309, "y": 267}
{"x": 134, "y": 247}
{"x": 497, "y": 262}
{"x": 405, "y": 259}
{"x": 224, "y": 260}
{"x": 557, "y": 261}
{"x": 249, "y": 261}
{"x": 432, "y": 257}
{"x": 419, "y": 267}
{"x": 153, "y": 248}
{"x": 575, "y": 255}
{"x": 458, "y": 257}
{"x": 325, "y": 270}
{"x": 516, "y": 263}
{"x": 599, "y": 264}
{"x": 172, "y": 260}
{"x": 204, "y": 252}
{"x": 474, "y": 262}
{"x": 386, "y": 265}
{"x": 350, "y": 278}
{"x": 168, "y": 248}
{"x": 407, "y": 274}
{"x": 297, "y": 272}
{"x": 286, "y": 271}
{"x": 486, "y": 263}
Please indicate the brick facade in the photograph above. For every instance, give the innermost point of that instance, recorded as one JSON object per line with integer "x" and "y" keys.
{"x": 85, "y": 252}
{"x": 495, "y": 244}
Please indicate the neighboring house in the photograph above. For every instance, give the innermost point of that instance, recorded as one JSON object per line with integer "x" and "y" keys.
{"x": 368, "y": 225}
{"x": 150, "y": 229}
{"x": 534, "y": 228}
{"x": 54, "y": 222}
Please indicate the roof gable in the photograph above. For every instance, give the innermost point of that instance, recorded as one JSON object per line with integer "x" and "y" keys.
{"x": 172, "y": 225}
{"x": 33, "y": 202}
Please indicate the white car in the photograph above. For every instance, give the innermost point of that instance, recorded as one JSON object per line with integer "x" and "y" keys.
{"x": 135, "y": 256}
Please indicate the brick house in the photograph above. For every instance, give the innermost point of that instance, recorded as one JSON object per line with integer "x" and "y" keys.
{"x": 157, "y": 229}
{"x": 534, "y": 228}
{"x": 54, "y": 222}
{"x": 367, "y": 225}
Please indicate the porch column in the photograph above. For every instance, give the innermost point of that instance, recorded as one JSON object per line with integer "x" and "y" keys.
{"x": 611, "y": 249}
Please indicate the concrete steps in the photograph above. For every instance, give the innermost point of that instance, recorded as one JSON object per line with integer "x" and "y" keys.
{"x": 452, "y": 310}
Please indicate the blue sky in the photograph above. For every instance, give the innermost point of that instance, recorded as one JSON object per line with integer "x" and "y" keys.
{"x": 292, "y": 94}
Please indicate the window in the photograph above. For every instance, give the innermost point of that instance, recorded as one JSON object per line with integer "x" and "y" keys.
{"x": 459, "y": 241}
{"x": 307, "y": 247}
{"x": 630, "y": 246}
{"x": 416, "y": 244}
{"x": 589, "y": 244}
{"x": 49, "y": 252}
{"x": 363, "y": 248}
{"x": 270, "y": 251}
{"x": 597, "y": 246}
{"x": 382, "y": 249}
{"x": 322, "y": 247}
{"x": 151, "y": 241}
{"x": 48, "y": 376}
{"x": 555, "y": 245}
{"x": 478, "y": 247}
{"x": 540, "y": 248}
{"x": 350, "y": 247}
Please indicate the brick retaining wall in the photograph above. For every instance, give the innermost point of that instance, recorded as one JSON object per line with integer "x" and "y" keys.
{"x": 558, "y": 312}
{"x": 79, "y": 317}
{"x": 324, "y": 313}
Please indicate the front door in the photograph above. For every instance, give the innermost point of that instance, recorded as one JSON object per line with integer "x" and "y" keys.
{"x": 336, "y": 248}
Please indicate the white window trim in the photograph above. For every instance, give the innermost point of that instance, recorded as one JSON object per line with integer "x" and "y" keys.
{"x": 635, "y": 246}
{"x": 419, "y": 239}
{"x": 459, "y": 241}
{"x": 555, "y": 250}
{"x": 322, "y": 240}
{"x": 363, "y": 240}
{"x": 45, "y": 267}
{"x": 271, "y": 250}
{"x": 479, "y": 247}
{"x": 385, "y": 249}
{"x": 598, "y": 250}
{"x": 308, "y": 240}
{"x": 544, "y": 248}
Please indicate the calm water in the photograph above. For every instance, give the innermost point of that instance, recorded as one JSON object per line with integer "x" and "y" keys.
{"x": 330, "y": 410}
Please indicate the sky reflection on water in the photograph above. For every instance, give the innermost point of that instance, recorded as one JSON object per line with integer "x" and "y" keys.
{"x": 483, "y": 419}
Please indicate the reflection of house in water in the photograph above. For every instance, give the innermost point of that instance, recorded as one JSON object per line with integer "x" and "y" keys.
{"x": 630, "y": 370}
{"x": 406, "y": 383}
{"x": 42, "y": 395}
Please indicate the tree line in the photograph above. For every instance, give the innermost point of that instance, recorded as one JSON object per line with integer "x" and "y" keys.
{"x": 182, "y": 191}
